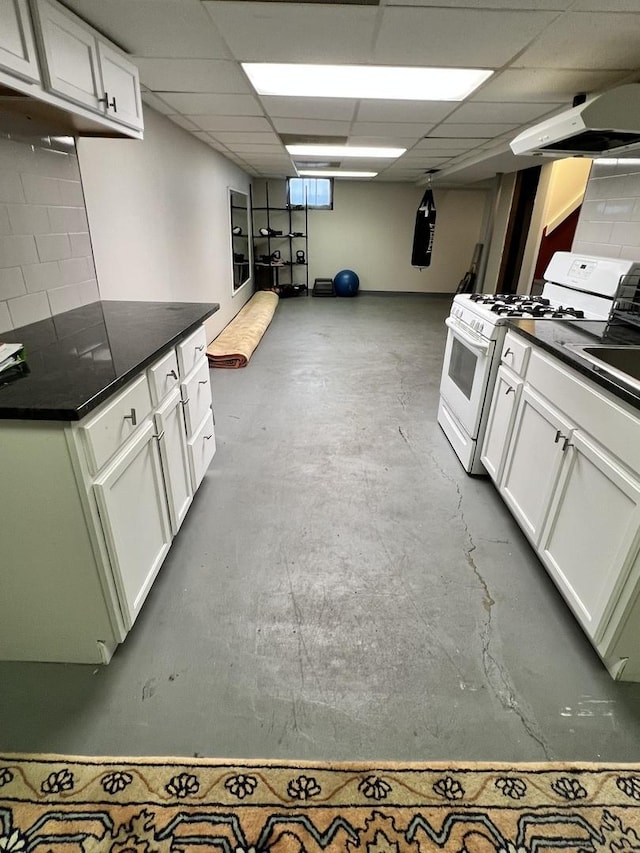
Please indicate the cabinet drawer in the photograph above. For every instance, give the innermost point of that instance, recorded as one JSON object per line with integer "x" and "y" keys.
{"x": 107, "y": 430}
{"x": 201, "y": 450}
{"x": 196, "y": 396}
{"x": 515, "y": 353}
{"x": 163, "y": 377}
{"x": 191, "y": 351}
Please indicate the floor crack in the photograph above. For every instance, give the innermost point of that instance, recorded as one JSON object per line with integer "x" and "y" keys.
{"x": 497, "y": 677}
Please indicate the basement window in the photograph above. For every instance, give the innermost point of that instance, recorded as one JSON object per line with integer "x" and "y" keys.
{"x": 316, "y": 193}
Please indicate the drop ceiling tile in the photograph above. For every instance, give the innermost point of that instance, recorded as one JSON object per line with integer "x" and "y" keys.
{"x": 386, "y": 131}
{"x": 520, "y": 5}
{"x": 412, "y": 112}
{"x": 333, "y": 109}
{"x": 447, "y": 144}
{"x": 510, "y": 113}
{"x": 612, "y": 6}
{"x": 383, "y": 142}
{"x": 288, "y": 32}
{"x": 229, "y": 123}
{"x": 579, "y": 39}
{"x": 205, "y": 137}
{"x": 232, "y": 137}
{"x": 197, "y": 102}
{"x": 183, "y": 122}
{"x": 192, "y": 75}
{"x": 468, "y": 38}
{"x": 312, "y": 127}
{"x": 556, "y": 86}
{"x": 165, "y": 28}
{"x": 473, "y": 131}
{"x": 157, "y": 103}
{"x": 253, "y": 148}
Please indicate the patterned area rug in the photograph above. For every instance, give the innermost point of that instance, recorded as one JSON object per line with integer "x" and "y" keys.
{"x": 56, "y": 804}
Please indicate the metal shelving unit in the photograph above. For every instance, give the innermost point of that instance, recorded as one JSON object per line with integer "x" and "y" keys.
{"x": 281, "y": 257}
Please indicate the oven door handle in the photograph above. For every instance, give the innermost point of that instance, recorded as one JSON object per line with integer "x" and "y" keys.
{"x": 478, "y": 346}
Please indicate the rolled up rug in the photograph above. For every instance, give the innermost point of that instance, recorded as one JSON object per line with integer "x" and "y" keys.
{"x": 236, "y": 343}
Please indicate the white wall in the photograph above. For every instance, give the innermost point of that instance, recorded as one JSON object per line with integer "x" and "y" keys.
{"x": 609, "y": 223}
{"x": 46, "y": 265}
{"x": 370, "y": 230}
{"x": 159, "y": 218}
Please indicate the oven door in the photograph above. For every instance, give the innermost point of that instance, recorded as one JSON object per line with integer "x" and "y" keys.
{"x": 465, "y": 375}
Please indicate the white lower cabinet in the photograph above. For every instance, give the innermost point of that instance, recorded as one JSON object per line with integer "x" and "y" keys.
{"x": 500, "y": 422}
{"x": 108, "y": 494}
{"x": 133, "y": 509}
{"x": 593, "y": 522}
{"x": 172, "y": 441}
{"x": 565, "y": 457}
{"x": 533, "y": 461}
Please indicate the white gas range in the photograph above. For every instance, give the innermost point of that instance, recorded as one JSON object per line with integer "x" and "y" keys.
{"x": 576, "y": 287}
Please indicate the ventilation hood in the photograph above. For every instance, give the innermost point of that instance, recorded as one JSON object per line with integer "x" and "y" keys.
{"x": 605, "y": 124}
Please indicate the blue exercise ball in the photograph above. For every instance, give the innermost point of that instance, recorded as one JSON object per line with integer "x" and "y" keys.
{"x": 346, "y": 283}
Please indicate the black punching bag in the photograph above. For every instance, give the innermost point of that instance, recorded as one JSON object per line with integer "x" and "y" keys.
{"x": 424, "y": 231}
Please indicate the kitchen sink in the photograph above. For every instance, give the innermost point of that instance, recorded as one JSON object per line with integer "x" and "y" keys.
{"x": 620, "y": 362}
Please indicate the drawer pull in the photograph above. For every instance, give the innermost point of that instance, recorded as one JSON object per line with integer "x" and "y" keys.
{"x": 173, "y": 374}
{"x": 508, "y": 351}
{"x": 200, "y": 348}
{"x": 131, "y": 417}
{"x": 510, "y": 390}
{"x": 203, "y": 382}
{"x": 207, "y": 437}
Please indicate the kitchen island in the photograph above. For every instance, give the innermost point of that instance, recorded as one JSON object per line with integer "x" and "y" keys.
{"x": 104, "y": 440}
{"x": 563, "y": 447}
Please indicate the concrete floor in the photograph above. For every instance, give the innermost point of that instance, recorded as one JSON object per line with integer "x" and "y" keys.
{"x": 340, "y": 587}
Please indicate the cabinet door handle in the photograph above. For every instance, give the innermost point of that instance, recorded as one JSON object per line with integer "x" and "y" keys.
{"x": 184, "y": 402}
{"x": 559, "y": 435}
{"x": 207, "y": 437}
{"x": 200, "y": 348}
{"x": 109, "y": 104}
{"x": 508, "y": 351}
{"x": 173, "y": 374}
{"x": 510, "y": 390}
{"x": 203, "y": 382}
{"x": 131, "y": 417}
{"x": 566, "y": 443}
{"x": 159, "y": 437}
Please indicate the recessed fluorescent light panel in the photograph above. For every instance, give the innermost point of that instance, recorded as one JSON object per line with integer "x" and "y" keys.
{"x": 339, "y": 151}
{"x": 364, "y": 81}
{"x": 334, "y": 173}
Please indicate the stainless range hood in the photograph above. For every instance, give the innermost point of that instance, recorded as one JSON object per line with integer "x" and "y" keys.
{"x": 605, "y": 124}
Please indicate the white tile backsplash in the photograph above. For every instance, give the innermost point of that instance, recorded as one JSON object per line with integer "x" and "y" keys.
{"x": 29, "y": 309}
{"x": 39, "y": 189}
{"x": 17, "y": 249}
{"x": 609, "y": 223}
{"x": 28, "y": 219}
{"x": 46, "y": 261}
{"x": 53, "y": 247}
{"x": 6, "y": 322}
{"x": 12, "y": 283}
{"x": 42, "y": 276}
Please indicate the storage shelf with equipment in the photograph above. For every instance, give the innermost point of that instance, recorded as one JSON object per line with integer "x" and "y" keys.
{"x": 281, "y": 247}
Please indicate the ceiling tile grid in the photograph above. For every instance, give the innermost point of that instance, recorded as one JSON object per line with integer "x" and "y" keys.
{"x": 542, "y": 52}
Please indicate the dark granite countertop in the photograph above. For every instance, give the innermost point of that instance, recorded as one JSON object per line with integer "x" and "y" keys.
{"x": 78, "y": 359}
{"x": 552, "y": 335}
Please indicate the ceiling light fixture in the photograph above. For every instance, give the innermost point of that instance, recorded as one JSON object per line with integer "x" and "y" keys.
{"x": 334, "y": 173}
{"x": 345, "y": 151}
{"x": 364, "y": 81}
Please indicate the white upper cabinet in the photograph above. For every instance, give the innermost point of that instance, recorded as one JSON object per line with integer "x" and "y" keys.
{"x": 80, "y": 66}
{"x": 17, "y": 43}
{"x": 121, "y": 85}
